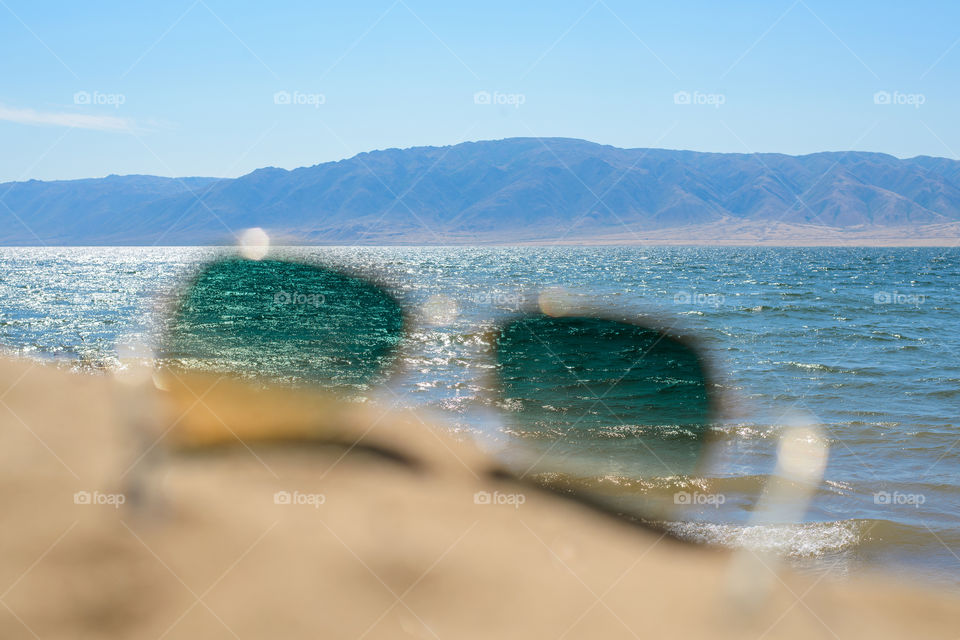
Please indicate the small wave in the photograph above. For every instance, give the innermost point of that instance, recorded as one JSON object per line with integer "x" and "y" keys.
{"x": 813, "y": 366}
{"x": 939, "y": 393}
{"x": 841, "y": 488}
{"x": 813, "y": 539}
{"x": 885, "y": 336}
{"x": 660, "y": 488}
{"x": 746, "y": 430}
{"x": 624, "y": 431}
{"x": 612, "y": 484}
{"x": 807, "y": 540}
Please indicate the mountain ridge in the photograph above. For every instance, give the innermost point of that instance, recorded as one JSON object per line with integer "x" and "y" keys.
{"x": 514, "y": 190}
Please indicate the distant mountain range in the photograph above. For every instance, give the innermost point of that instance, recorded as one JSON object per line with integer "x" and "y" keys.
{"x": 518, "y": 190}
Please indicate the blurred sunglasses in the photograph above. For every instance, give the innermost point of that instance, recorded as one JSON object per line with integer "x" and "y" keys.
{"x": 580, "y": 395}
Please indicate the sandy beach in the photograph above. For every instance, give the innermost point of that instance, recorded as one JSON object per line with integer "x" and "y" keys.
{"x": 112, "y": 530}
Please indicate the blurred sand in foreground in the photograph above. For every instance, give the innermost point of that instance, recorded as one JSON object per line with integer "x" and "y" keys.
{"x": 261, "y": 540}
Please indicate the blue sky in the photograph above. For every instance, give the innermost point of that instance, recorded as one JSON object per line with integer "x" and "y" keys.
{"x": 219, "y": 88}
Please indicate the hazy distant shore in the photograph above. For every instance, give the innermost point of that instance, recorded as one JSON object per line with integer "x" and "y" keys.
{"x": 760, "y": 234}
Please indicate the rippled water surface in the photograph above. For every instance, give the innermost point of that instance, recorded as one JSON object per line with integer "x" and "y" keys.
{"x": 866, "y": 340}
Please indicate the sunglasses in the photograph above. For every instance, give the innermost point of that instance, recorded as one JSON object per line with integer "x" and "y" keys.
{"x": 583, "y": 398}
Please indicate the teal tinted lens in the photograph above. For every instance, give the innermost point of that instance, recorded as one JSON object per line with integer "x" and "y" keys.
{"x": 603, "y": 398}
{"x": 285, "y": 321}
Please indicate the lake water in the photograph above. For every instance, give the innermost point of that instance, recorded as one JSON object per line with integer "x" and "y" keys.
{"x": 866, "y": 341}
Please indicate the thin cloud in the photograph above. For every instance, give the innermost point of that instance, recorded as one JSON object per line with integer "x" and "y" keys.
{"x": 72, "y": 120}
